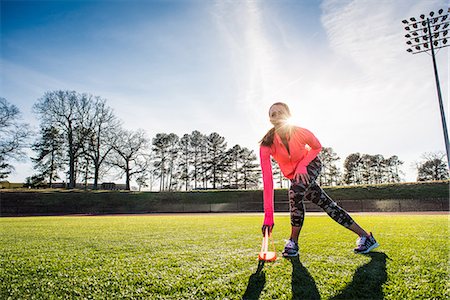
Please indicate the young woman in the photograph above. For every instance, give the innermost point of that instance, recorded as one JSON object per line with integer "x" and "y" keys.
{"x": 295, "y": 149}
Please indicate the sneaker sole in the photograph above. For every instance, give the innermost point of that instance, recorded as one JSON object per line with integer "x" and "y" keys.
{"x": 369, "y": 249}
{"x": 289, "y": 255}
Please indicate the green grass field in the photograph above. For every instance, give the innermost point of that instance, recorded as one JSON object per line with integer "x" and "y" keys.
{"x": 215, "y": 257}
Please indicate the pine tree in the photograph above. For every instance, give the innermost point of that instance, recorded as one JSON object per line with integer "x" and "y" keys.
{"x": 216, "y": 146}
{"x": 330, "y": 173}
{"x": 249, "y": 168}
{"x": 185, "y": 159}
{"x": 50, "y": 156}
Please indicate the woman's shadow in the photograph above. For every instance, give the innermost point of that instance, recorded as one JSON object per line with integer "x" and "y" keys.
{"x": 368, "y": 280}
{"x": 256, "y": 283}
{"x": 303, "y": 285}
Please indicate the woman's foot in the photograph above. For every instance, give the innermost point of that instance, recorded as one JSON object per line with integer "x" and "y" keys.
{"x": 290, "y": 249}
{"x": 365, "y": 244}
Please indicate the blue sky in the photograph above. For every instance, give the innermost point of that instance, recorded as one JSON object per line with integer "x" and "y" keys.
{"x": 179, "y": 66}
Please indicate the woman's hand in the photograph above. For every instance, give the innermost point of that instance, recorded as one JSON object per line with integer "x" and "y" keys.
{"x": 303, "y": 177}
{"x": 269, "y": 227}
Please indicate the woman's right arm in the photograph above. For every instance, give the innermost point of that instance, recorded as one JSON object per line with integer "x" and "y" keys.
{"x": 266, "y": 168}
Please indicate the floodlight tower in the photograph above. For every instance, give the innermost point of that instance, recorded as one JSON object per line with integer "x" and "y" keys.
{"x": 429, "y": 33}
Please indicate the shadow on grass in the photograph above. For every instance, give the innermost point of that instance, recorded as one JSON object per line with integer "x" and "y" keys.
{"x": 368, "y": 280}
{"x": 303, "y": 285}
{"x": 256, "y": 283}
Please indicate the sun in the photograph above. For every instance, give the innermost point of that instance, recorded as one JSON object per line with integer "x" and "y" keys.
{"x": 290, "y": 121}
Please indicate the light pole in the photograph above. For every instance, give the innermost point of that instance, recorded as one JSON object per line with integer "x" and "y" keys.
{"x": 430, "y": 34}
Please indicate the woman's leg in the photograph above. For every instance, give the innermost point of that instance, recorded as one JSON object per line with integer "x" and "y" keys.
{"x": 297, "y": 193}
{"x": 297, "y": 209}
{"x": 316, "y": 195}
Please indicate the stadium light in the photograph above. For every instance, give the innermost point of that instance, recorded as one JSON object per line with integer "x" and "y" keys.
{"x": 430, "y": 34}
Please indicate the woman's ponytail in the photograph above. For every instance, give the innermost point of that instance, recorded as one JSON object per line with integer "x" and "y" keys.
{"x": 267, "y": 140}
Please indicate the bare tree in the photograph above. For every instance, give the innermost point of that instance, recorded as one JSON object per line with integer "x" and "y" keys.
{"x": 432, "y": 167}
{"x": 68, "y": 112}
{"x": 103, "y": 128}
{"x": 129, "y": 155}
{"x": 13, "y": 137}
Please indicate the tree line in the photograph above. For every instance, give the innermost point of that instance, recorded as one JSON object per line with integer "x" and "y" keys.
{"x": 80, "y": 136}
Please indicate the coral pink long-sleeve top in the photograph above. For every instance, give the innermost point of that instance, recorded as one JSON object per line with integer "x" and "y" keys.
{"x": 303, "y": 148}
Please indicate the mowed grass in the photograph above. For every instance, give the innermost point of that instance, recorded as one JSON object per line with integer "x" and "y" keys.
{"x": 215, "y": 257}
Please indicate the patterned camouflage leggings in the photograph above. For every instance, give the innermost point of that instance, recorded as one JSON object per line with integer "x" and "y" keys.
{"x": 315, "y": 194}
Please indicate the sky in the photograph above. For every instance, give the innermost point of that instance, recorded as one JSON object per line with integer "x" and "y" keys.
{"x": 217, "y": 66}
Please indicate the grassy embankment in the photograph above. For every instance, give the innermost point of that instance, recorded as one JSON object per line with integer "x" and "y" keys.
{"x": 415, "y": 190}
{"x": 425, "y": 196}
